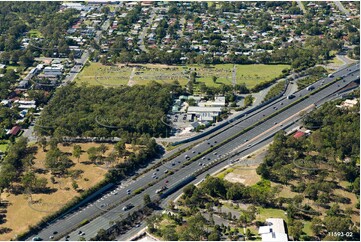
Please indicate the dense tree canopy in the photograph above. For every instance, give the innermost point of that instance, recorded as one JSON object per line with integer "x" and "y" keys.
{"x": 104, "y": 112}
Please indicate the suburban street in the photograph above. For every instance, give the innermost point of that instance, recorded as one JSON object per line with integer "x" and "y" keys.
{"x": 247, "y": 142}
{"x": 342, "y": 8}
{"x": 144, "y": 31}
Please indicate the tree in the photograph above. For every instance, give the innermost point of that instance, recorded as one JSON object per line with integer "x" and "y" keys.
{"x": 193, "y": 77}
{"x": 248, "y": 234}
{"x": 214, "y": 236}
{"x": 248, "y": 100}
{"x": 32, "y": 183}
{"x": 296, "y": 229}
{"x": 57, "y": 161}
{"x": 120, "y": 148}
{"x": 316, "y": 226}
{"x": 103, "y": 148}
{"x": 92, "y": 154}
{"x": 42, "y": 142}
{"x": 26, "y": 60}
{"x": 147, "y": 200}
{"x": 169, "y": 233}
{"x": 28, "y": 180}
{"x": 75, "y": 185}
{"x": 77, "y": 151}
{"x": 214, "y": 79}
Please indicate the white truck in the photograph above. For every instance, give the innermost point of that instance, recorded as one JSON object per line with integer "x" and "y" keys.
{"x": 160, "y": 190}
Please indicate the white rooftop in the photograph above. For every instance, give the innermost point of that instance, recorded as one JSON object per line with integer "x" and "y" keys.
{"x": 274, "y": 231}
{"x": 204, "y": 109}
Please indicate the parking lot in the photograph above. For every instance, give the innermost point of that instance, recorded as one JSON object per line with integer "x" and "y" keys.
{"x": 179, "y": 123}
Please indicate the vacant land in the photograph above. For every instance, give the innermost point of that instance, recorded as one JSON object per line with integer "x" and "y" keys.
{"x": 98, "y": 74}
{"x": 34, "y": 207}
{"x": 248, "y": 74}
{"x": 246, "y": 175}
{"x": 160, "y": 73}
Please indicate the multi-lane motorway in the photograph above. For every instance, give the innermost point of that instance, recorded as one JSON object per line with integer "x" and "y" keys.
{"x": 105, "y": 211}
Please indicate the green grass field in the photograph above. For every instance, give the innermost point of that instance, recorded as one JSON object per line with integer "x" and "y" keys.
{"x": 251, "y": 75}
{"x": 16, "y": 68}
{"x": 265, "y": 213}
{"x": 3, "y": 147}
{"x": 35, "y": 33}
{"x": 160, "y": 73}
{"x": 336, "y": 61}
{"x": 98, "y": 74}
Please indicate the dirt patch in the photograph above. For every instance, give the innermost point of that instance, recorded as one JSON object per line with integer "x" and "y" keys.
{"x": 244, "y": 174}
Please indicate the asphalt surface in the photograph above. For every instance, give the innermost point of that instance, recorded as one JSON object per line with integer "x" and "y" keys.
{"x": 291, "y": 88}
{"x": 142, "y": 35}
{"x": 243, "y": 144}
{"x": 342, "y": 8}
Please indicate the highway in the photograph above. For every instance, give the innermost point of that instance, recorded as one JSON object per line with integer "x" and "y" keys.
{"x": 243, "y": 143}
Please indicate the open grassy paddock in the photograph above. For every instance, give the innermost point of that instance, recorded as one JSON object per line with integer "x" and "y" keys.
{"x": 142, "y": 74}
{"x": 251, "y": 75}
{"x": 98, "y": 74}
{"x": 24, "y": 209}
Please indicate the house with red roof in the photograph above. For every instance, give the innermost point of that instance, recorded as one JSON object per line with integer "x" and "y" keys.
{"x": 299, "y": 134}
{"x": 14, "y": 131}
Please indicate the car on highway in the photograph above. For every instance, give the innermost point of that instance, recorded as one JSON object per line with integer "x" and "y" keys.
{"x": 128, "y": 191}
{"x": 36, "y": 238}
{"x": 161, "y": 189}
{"x": 290, "y": 96}
{"x": 127, "y": 207}
{"x": 309, "y": 88}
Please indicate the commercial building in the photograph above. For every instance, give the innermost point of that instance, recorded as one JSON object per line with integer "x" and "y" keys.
{"x": 204, "y": 113}
{"x": 274, "y": 230}
{"x": 218, "y": 102}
